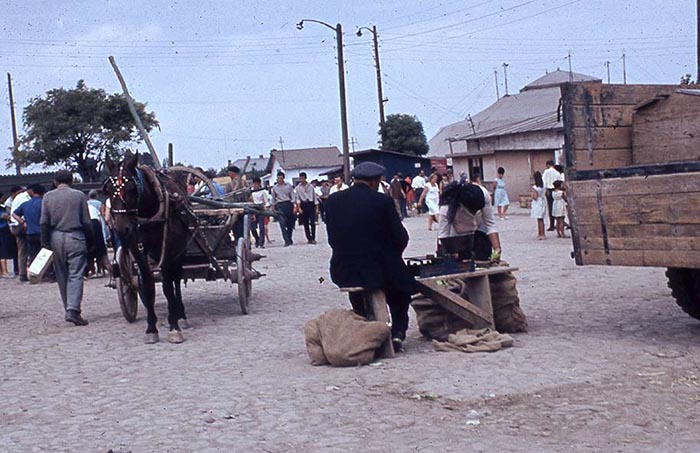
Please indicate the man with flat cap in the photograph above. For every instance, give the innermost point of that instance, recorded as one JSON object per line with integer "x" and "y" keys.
{"x": 368, "y": 239}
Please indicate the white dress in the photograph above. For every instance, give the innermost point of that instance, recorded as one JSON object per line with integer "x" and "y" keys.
{"x": 558, "y": 205}
{"x": 432, "y": 198}
{"x": 538, "y": 210}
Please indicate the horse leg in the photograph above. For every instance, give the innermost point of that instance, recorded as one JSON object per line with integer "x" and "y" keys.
{"x": 147, "y": 290}
{"x": 177, "y": 280}
{"x": 175, "y": 335}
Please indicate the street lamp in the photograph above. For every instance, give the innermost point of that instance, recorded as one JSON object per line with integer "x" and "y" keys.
{"x": 380, "y": 96}
{"x": 341, "y": 82}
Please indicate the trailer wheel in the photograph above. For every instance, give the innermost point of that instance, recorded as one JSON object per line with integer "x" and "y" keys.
{"x": 685, "y": 287}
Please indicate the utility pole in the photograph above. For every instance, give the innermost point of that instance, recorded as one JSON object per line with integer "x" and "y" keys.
{"x": 171, "y": 161}
{"x": 15, "y": 140}
{"x": 624, "y": 68}
{"x": 495, "y": 74}
{"x": 697, "y": 31}
{"x": 505, "y": 76}
{"x": 281, "y": 142}
{"x": 353, "y": 142}
{"x": 607, "y": 67}
{"x": 341, "y": 82}
{"x": 380, "y": 95}
{"x": 571, "y": 72}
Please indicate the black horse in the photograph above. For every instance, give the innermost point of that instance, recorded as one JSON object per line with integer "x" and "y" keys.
{"x": 150, "y": 218}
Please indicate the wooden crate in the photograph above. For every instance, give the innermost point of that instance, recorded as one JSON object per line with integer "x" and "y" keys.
{"x": 632, "y": 154}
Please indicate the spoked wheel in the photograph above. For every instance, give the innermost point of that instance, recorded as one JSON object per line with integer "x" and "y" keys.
{"x": 243, "y": 271}
{"x": 127, "y": 285}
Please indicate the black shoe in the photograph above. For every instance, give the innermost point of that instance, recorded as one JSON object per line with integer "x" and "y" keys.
{"x": 398, "y": 344}
{"x": 74, "y": 317}
{"x": 23, "y": 279}
{"x": 551, "y": 229}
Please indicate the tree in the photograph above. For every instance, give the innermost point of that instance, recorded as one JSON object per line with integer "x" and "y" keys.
{"x": 77, "y": 128}
{"x": 404, "y": 134}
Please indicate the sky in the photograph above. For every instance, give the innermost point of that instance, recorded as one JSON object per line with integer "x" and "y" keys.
{"x": 227, "y": 79}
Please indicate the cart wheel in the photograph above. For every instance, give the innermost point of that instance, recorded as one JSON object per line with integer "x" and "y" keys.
{"x": 244, "y": 282}
{"x": 127, "y": 288}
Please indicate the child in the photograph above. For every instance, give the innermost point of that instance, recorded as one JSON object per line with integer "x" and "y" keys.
{"x": 559, "y": 207}
{"x": 538, "y": 208}
{"x": 500, "y": 195}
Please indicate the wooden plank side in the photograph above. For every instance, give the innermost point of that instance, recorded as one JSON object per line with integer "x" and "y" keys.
{"x": 662, "y": 230}
{"x": 667, "y": 131}
{"x": 689, "y": 259}
{"x": 670, "y": 244}
{"x": 641, "y": 209}
{"x": 455, "y": 304}
{"x": 593, "y": 93}
{"x": 602, "y": 115}
{"x": 602, "y": 138}
{"x": 638, "y": 185}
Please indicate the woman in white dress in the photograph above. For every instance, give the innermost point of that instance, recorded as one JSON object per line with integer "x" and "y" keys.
{"x": 431, "y": 196}
{"x": 538, "y": 209}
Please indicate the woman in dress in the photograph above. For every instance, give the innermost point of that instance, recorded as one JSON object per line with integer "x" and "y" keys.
{"x": 431, "y": 196}
{"x": 500, "y": 195}
{"x": 538, "y": 208}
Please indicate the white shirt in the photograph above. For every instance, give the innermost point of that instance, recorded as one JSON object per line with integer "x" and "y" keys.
{"x": 335, "y": 188}
{"x": 418, "y": 182}
{"x": 260, "y": 197}
{"x": 16, "y": 203}
{"x": 549, "y": 176}
{"x": 485, "y": 218}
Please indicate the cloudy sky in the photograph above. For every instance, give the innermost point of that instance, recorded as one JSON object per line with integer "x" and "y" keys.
{"x": 227, "y": 79}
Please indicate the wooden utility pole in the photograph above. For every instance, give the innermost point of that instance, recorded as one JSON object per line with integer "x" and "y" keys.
{"x": 13, "y": 119}
{"x": 505, "y": 76}
{"x": 171, "y": 162}
{"x": 607, "y": 67}
{"x": 343, "y": 104}
{"x": 624, "y": 68}
{"x": 135, "y": 115}
{"x": 380, "y": 96}
{"x": 697, "y": 31}
{"x": 571, "y": 72}
{"x": 495, "y": 74}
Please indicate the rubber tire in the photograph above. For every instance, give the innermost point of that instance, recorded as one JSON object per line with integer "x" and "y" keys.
{"x": 685, "y": 288}
{"x": 128, "y": 295}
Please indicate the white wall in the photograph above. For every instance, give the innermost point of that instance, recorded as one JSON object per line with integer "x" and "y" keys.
{"x": 291, "y": 175}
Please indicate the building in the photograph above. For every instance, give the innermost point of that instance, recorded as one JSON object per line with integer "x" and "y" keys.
{"x": 406, "y": 164}
{"x": 313, "y": 161}
{"x": 254, "y": 165}
{"x": 519, "y": 132}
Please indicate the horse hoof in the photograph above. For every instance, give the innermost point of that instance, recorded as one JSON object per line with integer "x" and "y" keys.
{"x": 184, "y": 324}
{"x": 175, "y": 336}
{"x": 151, "y": 338}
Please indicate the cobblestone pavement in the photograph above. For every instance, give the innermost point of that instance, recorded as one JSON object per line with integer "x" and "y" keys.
{"x": 610, "y": 364}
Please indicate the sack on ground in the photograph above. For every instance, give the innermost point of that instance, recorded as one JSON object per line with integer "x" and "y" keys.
{"x": 507, "y": 314}
{"x": 343, "y": 338}
{"x": 480, "y": 340}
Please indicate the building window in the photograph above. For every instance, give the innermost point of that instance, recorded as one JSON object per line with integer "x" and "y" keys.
{"x": 476, "y": 166}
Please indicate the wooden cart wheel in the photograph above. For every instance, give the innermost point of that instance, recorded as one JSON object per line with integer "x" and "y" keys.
{"x": 127, "y": 285}
{"x": 243, "y": 273}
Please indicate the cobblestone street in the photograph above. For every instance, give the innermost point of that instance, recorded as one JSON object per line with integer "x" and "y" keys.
{"x": 610, "y": 364}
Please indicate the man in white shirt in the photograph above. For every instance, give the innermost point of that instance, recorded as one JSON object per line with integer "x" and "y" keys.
{"x": 418, "y": 184}
{"x": 260, "y": 199}
{"x": 338, "y": 185}
{"x": 548, "y": 177}
{"x": 18, "y": 199}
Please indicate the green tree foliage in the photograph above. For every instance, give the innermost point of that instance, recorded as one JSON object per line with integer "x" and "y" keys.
{"x": 687, "y": 80}
{"x": 77, "y": 128}
{"x": 404, "y": 134}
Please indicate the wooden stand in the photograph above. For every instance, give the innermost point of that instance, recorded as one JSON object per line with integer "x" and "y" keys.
{"x": 377, "y": 311}
{"x": 478, "y": 310}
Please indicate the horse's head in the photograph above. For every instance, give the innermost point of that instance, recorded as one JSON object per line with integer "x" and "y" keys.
{"x": 124, "y": 187}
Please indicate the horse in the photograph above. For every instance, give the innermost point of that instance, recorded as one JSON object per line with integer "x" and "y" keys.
{"x": 149, "y": 209}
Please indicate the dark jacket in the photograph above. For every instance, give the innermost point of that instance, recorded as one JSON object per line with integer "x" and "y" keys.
{"x": 368, "y": 239}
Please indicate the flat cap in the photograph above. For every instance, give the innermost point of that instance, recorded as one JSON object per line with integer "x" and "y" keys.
{"x": 234, "y": 169}
{"x": 368, "y": 170}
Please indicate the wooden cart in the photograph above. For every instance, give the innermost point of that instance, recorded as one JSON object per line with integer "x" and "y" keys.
{"x": 215, "y": 255}
{"x": 632, "y": 156}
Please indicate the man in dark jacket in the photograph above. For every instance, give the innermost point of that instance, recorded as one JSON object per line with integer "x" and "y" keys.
{"x": 368, "y": 239}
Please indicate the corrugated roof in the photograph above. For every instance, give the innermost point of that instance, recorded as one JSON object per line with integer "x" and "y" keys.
{"x": 323, "y": 157}
{"x": 558, "y": 77}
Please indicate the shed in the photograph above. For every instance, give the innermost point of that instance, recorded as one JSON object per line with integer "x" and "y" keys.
{"x": 406, "y": 164}
{"x": 312, "y": 161}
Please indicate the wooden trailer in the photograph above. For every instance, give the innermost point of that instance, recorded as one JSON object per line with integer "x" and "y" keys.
{"x": 632, "y": 157}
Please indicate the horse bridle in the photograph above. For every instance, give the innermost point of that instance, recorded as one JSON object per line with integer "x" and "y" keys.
{"x": 118, "y": 183}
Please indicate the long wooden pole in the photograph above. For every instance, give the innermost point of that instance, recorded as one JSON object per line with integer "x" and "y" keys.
{"x": 380, "y": 95}
{"x": 343, "y": 104}
{"x": 13, "y": 119}
{"x": 135, "y": 115}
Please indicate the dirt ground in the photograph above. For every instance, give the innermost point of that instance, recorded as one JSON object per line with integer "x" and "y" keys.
{"x": 610, "y": 364}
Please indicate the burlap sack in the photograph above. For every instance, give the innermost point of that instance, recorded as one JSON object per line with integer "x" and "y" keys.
{"x": 507, "y": 314}
{"x": 345, "y": 338}
{"x": 434, "y": 322}
{"x": 480, "y": 340}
